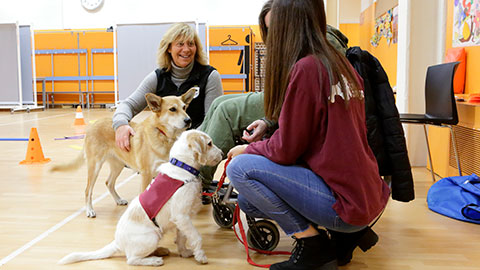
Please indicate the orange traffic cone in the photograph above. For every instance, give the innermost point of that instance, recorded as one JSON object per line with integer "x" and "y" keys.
{"x": 79, "y": 121}
{"x": 34, "y": 150}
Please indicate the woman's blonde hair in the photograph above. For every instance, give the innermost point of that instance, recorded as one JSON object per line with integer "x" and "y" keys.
{"x": 179, "y": 32}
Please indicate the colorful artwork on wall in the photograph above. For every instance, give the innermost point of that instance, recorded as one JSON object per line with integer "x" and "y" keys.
{"x": 386, "y": 26}
{"x": 466, "y": 23}
{"x": 395, "y": 25}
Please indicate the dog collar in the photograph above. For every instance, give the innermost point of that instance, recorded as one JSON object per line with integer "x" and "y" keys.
{"x": 184, "y": 166}
{"x": 161, "y": 131}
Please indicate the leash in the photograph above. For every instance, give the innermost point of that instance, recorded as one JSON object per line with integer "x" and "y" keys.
{"x": 236, "y": 218}
{"x": 220, "y": 183}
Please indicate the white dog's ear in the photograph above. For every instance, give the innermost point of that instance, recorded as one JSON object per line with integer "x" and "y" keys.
{"x": 154, "y": 102}
{"x": 189, "y": 95}
{"x": 199, "y": 148}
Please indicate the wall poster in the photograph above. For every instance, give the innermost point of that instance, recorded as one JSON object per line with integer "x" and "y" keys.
{"x": 466, "y": 23}
{"x": 386, "y": 26}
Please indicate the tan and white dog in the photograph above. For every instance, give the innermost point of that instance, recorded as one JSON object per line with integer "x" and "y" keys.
{"x": 137, "y": 236}
{"x": 148, "y": 148}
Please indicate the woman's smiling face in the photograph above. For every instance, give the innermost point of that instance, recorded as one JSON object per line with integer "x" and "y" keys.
{"x": 183, "y": 52}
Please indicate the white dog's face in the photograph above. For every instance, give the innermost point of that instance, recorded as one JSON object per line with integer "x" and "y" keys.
{"x": 197, "y": 145}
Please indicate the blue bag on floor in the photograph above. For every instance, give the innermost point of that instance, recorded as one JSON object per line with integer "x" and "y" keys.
{"x": 457, "y": 197}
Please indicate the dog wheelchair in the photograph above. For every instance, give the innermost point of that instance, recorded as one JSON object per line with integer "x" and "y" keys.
{"x": 262, "y": 234}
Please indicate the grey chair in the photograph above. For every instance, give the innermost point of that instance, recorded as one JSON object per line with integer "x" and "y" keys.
{"x": 440, "y": 105}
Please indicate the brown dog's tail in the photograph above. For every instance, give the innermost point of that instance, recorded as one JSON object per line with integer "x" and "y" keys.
{"x": 70, "y": 166}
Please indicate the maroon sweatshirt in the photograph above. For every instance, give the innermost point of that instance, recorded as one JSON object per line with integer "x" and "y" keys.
{"x": 329, "y": 139}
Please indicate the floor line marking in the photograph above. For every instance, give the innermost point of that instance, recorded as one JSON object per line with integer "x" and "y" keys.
{"x": 36, "y": 119}
{"x": 58, "y": 225}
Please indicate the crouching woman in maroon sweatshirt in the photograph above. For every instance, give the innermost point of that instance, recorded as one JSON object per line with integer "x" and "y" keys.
{"x": 317, "y": 169}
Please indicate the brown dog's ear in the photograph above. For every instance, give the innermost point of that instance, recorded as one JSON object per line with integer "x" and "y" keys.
{"x": 189, "y": 95}
{"x": 154, "y": 102}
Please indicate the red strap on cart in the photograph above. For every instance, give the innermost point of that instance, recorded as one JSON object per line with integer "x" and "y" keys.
{"x": 222, "y": 179}
{"x": 236, "y": 217}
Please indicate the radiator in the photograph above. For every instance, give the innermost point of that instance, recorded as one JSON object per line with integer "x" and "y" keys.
{"x": 468, "y": 147}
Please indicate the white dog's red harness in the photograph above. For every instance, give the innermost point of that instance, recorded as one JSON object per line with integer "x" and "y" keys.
{"x": 158, "y": 193}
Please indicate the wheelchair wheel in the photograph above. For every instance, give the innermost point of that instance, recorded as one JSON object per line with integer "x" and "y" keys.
{"x": 263, "y": 235}
{"x": 223, "y": 215}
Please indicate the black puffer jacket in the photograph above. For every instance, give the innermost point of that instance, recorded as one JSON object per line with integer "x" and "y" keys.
{"x": 385, "y": 132}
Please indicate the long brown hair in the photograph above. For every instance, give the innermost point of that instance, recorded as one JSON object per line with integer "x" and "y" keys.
{"x": 261, "y": 19}
{"x": 297, "y": 29}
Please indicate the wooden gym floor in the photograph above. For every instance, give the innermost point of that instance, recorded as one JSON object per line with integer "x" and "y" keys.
{"x": 41, "y": 215}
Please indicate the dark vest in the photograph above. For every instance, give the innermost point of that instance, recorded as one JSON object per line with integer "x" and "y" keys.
{"x": 198, "y": 77}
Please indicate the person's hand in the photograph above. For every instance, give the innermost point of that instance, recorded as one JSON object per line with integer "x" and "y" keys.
{"x": 122, "y": 137}
{"x": 237, "y": 150}
{"x": 259, "y": 128}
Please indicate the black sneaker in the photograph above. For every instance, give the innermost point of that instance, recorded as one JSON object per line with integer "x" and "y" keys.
{"x": 345, "y": 243}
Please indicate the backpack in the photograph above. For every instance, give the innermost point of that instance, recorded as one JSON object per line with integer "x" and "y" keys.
{"x": 457, "y": 197}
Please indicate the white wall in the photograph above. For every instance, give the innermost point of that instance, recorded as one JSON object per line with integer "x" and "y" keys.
{"x": 47, "y": 14}
{"x": 421, "y": 44}
{"x": 365, "y": 4}
{"x": 332, "y": 12}
{"x": 66, "y": 14}
{"x": 349, "y": 11}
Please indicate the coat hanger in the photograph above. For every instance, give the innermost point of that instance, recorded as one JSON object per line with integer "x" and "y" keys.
{"x": 229, "y": 41}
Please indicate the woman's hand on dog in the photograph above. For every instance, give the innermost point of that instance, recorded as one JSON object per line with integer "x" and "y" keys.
{"x": 122, "y": 137}
{"x": 255, "y": 131}
{"x": 237, "y": 150}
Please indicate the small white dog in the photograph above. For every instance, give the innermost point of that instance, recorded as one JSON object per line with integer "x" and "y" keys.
{"x": 137, "y": 235}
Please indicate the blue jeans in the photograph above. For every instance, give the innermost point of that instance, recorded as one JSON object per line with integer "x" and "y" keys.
{"x": 293, "y": 196}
